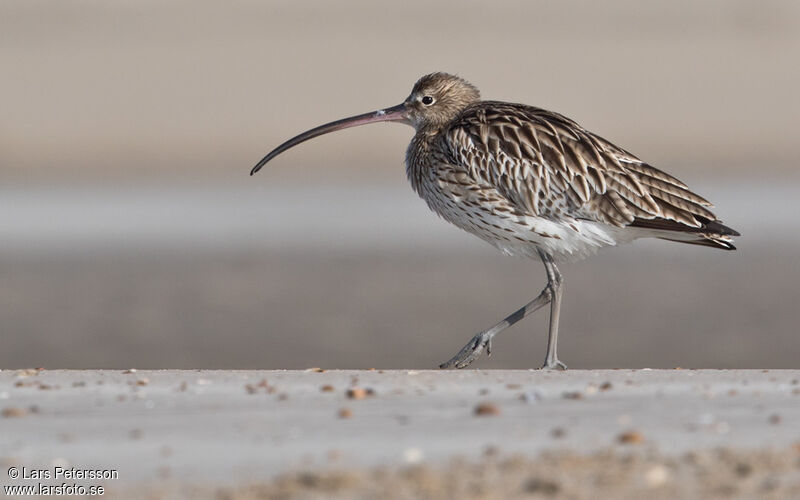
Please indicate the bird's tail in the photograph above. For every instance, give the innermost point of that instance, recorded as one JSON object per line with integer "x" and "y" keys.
{"x": 706, "y": 240}
{"x": 710, "y": 233}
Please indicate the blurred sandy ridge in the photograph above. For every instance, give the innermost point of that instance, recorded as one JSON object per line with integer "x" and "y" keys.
{"x": 141, "y": 88}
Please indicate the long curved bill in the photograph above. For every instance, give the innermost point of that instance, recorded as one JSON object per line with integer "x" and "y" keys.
{"x": 395, "y": 113}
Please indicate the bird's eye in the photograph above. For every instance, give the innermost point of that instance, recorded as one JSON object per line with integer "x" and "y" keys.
{"x": 427, "y": 100}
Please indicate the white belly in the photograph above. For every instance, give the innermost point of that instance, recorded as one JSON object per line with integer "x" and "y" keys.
{"x": 524, "y": 235}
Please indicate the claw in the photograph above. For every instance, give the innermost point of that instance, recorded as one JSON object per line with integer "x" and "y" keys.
{"x": 470, "y": 352}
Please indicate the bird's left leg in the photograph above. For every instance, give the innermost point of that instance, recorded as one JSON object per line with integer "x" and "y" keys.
{"x": 554, "y": 283}
{"x": 473, "y": 349}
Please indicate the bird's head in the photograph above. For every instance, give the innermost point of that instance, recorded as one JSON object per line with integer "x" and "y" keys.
{"x": 438, "y": 98}
{"x": 435, "y": 100}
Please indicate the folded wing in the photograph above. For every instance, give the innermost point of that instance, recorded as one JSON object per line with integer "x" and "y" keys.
{"x": 547, "y": 165}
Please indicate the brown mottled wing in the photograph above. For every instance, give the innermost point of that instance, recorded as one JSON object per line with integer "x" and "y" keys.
{"x": 547, "y": 165}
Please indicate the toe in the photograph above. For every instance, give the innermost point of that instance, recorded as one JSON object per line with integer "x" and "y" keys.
{"x": 554, "y": 365}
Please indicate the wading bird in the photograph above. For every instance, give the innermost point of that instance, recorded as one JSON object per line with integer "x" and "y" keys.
{"x": 531, "y": 183}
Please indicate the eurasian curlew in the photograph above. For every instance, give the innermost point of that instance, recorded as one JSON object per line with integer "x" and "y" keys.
{"x": 531, "y": 183}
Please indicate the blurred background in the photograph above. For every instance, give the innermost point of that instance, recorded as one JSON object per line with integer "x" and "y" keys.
{"x": 132, "y": 236}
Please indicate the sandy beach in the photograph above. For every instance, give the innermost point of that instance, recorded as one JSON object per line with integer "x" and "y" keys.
{"x": 405, "y": 433}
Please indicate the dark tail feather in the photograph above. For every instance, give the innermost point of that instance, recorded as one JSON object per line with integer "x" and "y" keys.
{"x": 717, "y": 227}
{"x": 707, "y": 226}
{"x": 711, "y": 233}
{"x": 707, "y": 242}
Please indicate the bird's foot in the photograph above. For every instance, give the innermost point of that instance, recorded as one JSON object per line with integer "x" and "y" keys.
{"x": 554, "y": 364}
{"x": 470, "y": 352}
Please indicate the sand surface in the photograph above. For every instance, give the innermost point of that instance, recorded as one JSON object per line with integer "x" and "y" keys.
{"x": 176, "y": 430}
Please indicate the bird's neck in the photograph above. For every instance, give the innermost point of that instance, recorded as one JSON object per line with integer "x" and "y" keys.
{"x": 418, "y": 157}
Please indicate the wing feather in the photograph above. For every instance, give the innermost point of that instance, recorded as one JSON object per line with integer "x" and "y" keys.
{"x": 545, "y": 164}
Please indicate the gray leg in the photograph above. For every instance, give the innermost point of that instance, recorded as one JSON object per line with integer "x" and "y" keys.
{"x": 551, "y": 294}
{"x": 555, "y": 283}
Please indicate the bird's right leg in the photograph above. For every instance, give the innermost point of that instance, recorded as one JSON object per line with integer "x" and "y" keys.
{"x": 473, "y": 349}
